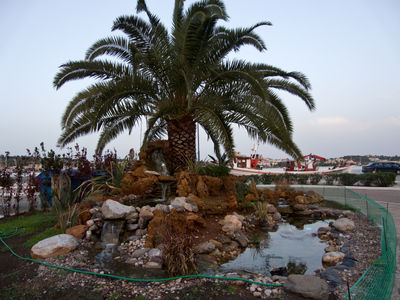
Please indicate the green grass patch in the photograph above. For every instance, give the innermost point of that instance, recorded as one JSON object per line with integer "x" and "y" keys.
{"x": 33, "y": 223}
{"x": 40, "y": 225}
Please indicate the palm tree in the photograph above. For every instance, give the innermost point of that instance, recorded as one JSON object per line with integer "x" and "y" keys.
{"x": 175, "y": 80}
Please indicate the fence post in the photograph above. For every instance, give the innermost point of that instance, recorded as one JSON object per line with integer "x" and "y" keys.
{"x": 345, "y": 200}
{"x": 366, "y": 204}
{"x": 384, "y": 233}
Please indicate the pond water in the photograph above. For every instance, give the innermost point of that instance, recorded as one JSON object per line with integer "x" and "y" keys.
{"x": 291, "y": 246}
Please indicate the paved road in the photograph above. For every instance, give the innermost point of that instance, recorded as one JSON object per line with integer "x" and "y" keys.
{"x": 388, "y": 197}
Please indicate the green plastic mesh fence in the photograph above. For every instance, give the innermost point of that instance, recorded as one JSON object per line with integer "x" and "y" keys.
{"x": 378, "y": 280}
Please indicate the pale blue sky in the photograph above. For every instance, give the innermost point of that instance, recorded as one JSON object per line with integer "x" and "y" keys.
{"x": 349, "y": 49}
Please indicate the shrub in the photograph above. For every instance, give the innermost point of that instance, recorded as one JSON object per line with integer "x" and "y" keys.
{"x": 242, "y": 189}
{"x": 384, "y": 179}
{"x": 347, "y": 179}
{"x": 214, "y": 170}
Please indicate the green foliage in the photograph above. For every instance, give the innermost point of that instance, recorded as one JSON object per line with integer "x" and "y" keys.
{"x": 261, "y": 210}
{"x": 50, "y": 161}
{"x": 214, "y": 170}
{"x": 242, "y": 189}
{"x": 66, "y": 202}
{"x": 167, "y": 76}
{"x": 382, "y": 179}
{"x": 347, "y": 179}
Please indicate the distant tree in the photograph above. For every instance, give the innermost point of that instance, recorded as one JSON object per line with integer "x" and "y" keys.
{"x": 175, "y": 80}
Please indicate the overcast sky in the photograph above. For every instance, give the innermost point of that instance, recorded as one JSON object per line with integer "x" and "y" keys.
{"x": 349, "y": 49}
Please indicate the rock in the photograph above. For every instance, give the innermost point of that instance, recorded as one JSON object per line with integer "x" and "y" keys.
{"x": 54, "y": 246}
{"x": 344, "y": 224}
{"x": 308, "y": 286}
{"x": 132, "y": 215}
{"x": 93, "y": 210}
{"x": 323, "y": 230}
{"x": 201, "y": 188}
{"x": 148, "y": 172}
{"x": 242, "y": 239}
{"x": 223, "y": 239}
{"x": 229, "y": 228}
{"x": 140, "y": 231}
{"x": 146, "y": 214}
{"x": 312, "y": 197}
{"x": 240, "y": 217}
{"x": 153, "y": 228}
{"x": 232, "y": 246}
{"x": 217, "y": 244}
{"x": 330, "y": 249}
{"x": 114, "y": 210}
{"x": 133, "y": 238}
{"x": 194, "y": 221}
{"x": 89, "y": 223}
{"x": 332, "y": 257}
{"x": 139, "y": 252}
{"x": 300, "y": 199}
{"x": 154, "y": 252}
{"x": 348, "y": 262}
{"x": 231, "y": 224}
{"x": 285, "y": 209}
{"x": 162, "y": 207}
{"x": 77, "y": 231}
{"x": 153, "y": 265}
{"x": 299, "y": 207}
{"x": 276, "y": 216}
{"x": 257, "y": 294}
{"x": 279, "y": 278}
{"x": 332, "y": 277}
{"x": 204, "y": 248}
{"x": 216, "y": 253}
{"x": 183, "y": 203}
{"x": 132, "y": 227}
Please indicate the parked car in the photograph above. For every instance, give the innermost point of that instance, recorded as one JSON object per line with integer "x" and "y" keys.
{"x": 382, "y": 167}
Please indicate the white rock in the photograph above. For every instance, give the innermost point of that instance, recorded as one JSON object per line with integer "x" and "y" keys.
{"x": 344, "y": 224}
{"x": 114, "y": 210}
{"x": 332, "y": 257}
{"x": 54, "y": 246}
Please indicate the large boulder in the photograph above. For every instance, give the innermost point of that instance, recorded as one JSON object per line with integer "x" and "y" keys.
{"x": 54, "y": 246}
{"x": 344, "y": 224}
{"x": 308, "y": 286}
{"x": 114, "y": 210}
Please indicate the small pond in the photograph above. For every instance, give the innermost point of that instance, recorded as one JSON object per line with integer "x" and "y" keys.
{"x": 291, "y": 246}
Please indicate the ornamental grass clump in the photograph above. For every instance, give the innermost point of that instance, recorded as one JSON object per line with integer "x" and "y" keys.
{"x": 178, "y": 252}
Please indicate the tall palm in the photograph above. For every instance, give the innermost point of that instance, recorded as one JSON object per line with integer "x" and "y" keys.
{"x": 178, "y": 79}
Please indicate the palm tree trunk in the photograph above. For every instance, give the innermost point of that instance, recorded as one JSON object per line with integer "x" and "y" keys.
{"x": 182, "y": 141}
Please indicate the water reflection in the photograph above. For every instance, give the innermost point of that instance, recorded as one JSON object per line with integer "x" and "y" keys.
{"x": 298, "y": 250}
